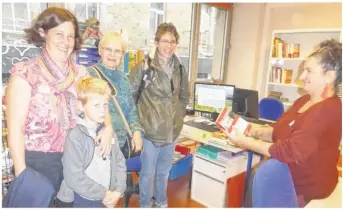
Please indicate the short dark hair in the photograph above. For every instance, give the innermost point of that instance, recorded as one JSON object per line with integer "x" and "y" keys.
{"x": 329, "y": 54}
{"x": 48, "y": 19}
{"x": 166, "y": 28}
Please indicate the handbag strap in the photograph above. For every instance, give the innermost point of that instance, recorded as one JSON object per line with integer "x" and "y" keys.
{"x": 114, "y": 93}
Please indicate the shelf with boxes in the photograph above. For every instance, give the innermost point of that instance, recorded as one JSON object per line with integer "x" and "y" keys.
{"x": 7, "y": 164}
{"x": 289, "y": 50}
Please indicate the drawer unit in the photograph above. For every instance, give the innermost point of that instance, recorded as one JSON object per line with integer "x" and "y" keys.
{"x": 209, "y": 167}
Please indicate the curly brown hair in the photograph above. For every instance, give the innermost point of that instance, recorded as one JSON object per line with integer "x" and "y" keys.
{"x": 329, "y": 54}
{"x": 166, "y": 28}
{"x": 48, "y": 19}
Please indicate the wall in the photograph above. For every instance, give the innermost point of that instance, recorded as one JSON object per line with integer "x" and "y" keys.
{"x": 246, "y": 29}
{"x": 251, "y": 35}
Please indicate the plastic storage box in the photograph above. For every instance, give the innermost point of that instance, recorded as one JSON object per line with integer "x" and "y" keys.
{"x": 209, "y": 151}
{"x": 183, "y": 166}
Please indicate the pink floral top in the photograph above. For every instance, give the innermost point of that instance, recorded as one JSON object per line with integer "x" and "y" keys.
{"x": 45, "y": 125}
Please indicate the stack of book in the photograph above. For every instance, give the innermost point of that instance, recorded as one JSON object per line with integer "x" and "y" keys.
{"x": 177, "y": 156}
{"x": 281, "y": 75}
{"x": 281, "y": 49}
{"x": 224, "y": 156}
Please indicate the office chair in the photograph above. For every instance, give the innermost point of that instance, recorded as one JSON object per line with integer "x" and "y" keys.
{"x": 271, "y": 185}
{"x": 271, "y": 109}
{"x": 133, "y": 165}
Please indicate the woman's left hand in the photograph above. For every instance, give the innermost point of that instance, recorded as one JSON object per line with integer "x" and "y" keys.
{"x": 137, "y": 141}
{"x": 237, "y": 138}
{"x": 105, "y": 135}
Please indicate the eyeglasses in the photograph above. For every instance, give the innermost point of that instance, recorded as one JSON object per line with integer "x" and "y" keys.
{"x": 116, "y": 52}
{"x": 166, "y": 43}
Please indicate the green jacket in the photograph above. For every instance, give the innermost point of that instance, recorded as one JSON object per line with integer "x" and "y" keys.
{"x": 160, "y": 110}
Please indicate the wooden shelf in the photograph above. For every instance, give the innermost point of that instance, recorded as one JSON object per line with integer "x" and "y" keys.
{"x": 287, "y": 85}
{"x": 7, "y": 178}
{"x": 289, "y": 59}
{"x": 307, "y": 39}
{"x": 287, "y": 103}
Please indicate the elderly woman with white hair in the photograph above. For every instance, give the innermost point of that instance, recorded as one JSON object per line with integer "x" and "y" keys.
{"x": 112, "y": 47}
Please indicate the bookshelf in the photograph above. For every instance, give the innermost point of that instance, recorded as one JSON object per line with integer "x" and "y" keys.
{"x": 289, "y": 50}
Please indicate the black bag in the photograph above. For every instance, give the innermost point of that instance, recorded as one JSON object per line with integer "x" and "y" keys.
{"x": 127, "y": 150}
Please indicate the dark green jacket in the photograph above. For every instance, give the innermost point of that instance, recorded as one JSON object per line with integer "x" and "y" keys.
{"x": 160, "y": 110}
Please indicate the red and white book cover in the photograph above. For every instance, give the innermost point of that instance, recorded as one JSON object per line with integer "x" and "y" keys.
{"x": 224, "y": 120}
{"x": 240, "y": 125}
{"x": 227, "y": 123}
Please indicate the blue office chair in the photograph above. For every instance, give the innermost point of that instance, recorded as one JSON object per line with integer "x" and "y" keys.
{"x": 271, "y": 185}
{"x": 133, "y": 165}
{"x": 271, "y": 109}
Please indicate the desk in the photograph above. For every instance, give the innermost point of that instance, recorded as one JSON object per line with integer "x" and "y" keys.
{"x": 209, "y": 177}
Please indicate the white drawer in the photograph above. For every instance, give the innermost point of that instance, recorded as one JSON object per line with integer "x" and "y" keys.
{"x": 210, "y": 168}
{"x": 208, "y": 191}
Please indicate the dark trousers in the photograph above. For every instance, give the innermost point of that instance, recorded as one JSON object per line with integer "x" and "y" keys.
{"x": 80, "y": 202}
{"x": 49, "y": 164}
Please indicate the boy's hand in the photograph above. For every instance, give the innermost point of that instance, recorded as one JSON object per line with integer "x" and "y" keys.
{"x": 106, "y": 134}
{"x": 111, "y": 198}
{"x": 137, "y": 141}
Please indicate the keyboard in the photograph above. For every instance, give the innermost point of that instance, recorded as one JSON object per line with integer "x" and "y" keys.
{"x": 203, "y": 126}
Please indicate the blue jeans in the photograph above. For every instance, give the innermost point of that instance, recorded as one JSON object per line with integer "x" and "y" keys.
{"x": 156, "y": 163}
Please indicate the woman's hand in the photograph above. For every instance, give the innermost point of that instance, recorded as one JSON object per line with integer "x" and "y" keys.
{"x": 264, "y": 133}
{"x": 237, "y": 138}
{"x": 105, "y": 137}
{"x": 137, "y": 141}
{"x": 256, "y": 132}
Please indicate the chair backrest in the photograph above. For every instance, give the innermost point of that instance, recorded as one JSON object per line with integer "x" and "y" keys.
{"x": 271, "y": 109}
{"x": 272, "y": 186}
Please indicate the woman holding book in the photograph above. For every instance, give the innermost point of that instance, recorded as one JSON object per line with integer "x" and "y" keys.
{"x": 308, "y": 135}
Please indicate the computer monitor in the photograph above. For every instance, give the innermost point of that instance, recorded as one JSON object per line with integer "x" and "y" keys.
{"x": 245, "y": 102}
{"x": 212, "y": 98}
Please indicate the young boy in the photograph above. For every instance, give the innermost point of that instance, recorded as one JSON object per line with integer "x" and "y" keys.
{"x": 90, "y": 180}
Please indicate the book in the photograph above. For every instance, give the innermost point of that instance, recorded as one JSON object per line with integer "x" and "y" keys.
{"x": 224, "y": 119}
{"x": 240, "y": 125}
{"x": 228, "y": 123}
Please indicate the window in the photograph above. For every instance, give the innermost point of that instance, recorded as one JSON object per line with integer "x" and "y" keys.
{"x": 156, "y": 15}
{"x": 83, "y": 11}
{"x": 18, "y": 16}
{"x": 211, "y": 42}
{"x": 180, "y": 14}
{"x": 15, "y": 18}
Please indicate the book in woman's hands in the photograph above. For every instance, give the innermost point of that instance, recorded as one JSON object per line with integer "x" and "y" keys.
{"x": 232, "y": 124}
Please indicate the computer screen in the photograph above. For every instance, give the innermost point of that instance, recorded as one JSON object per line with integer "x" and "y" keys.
{"x": 212, "y": 98}
{"x": 245, "y": 102}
